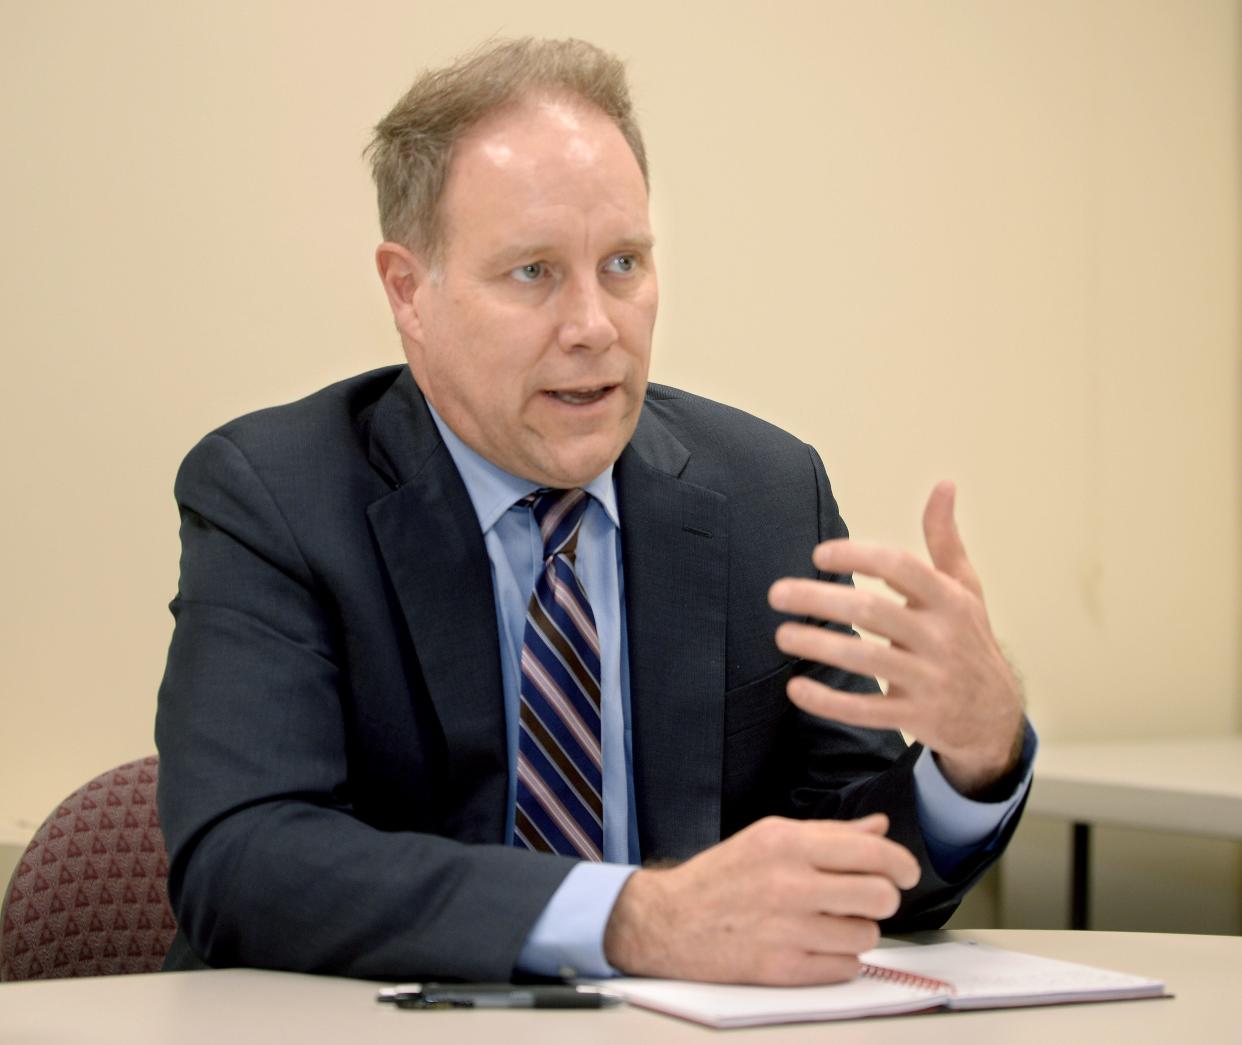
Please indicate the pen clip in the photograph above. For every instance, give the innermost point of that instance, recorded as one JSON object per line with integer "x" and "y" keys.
{"x": 405, "y": 994}
{"x": 414, "y": 1001}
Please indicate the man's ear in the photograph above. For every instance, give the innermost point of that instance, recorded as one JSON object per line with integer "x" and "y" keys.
{"x": 402, "y": 273}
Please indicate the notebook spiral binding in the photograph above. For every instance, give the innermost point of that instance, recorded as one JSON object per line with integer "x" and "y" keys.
{"x": 907, "y": 979}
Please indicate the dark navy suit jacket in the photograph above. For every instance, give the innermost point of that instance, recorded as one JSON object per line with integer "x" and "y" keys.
{"x": 330, "y": 726}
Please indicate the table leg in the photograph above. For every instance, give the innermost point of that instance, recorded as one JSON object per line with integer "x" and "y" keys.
{"x": 1080, "y": 881}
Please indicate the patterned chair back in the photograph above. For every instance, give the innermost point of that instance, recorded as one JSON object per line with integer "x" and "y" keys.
{"x": 89, "y": 895}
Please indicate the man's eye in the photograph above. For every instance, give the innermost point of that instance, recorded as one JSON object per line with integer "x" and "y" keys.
{"x": 529, "y": 273}
{"x": 622, "y": 264}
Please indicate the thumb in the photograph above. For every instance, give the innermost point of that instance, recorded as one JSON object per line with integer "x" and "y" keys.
{"x": 874, "y": 824}
{"x": 944, "y": 543}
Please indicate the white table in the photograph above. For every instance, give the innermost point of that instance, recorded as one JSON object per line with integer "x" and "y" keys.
{"x": 1187, "y": 786}
{"x": 237, "y": 1006}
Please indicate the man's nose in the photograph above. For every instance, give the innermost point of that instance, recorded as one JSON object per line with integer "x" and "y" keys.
{"x": 585, "y": 321}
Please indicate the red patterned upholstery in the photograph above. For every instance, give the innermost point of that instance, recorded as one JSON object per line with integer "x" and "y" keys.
{"x": 88, "y": 897}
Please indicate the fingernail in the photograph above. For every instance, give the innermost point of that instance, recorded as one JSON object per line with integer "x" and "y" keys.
{"x": 778, "y": 595}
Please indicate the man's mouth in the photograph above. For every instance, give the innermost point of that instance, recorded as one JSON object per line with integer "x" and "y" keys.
{"x": 580, "y": 396}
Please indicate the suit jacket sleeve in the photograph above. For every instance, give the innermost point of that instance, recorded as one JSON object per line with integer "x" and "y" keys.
{"x": 271, "y": 863}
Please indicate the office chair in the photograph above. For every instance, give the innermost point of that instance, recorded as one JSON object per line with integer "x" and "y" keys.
{"x": 89, "y": 895}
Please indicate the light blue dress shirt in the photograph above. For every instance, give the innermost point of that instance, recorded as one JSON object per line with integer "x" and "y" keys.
{"x": 568, "y": 938}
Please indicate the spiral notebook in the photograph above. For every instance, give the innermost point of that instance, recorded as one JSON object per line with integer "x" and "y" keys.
{"x": 896, "y": 980}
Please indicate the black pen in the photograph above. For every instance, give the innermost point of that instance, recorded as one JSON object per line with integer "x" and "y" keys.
{"x": 497, "y": 996}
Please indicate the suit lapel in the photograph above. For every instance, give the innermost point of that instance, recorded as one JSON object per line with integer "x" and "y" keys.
{"x": 675, "y": 555}
{"x": 428, "y": 535}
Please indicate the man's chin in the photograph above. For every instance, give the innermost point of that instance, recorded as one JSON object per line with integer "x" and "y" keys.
{"x": 564, "y": 471}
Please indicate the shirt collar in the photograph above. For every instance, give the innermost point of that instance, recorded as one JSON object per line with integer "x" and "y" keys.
{"x": 493, "y": 491}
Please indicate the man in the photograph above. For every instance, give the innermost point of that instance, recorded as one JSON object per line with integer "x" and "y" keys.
{"x": 458, "y": 644}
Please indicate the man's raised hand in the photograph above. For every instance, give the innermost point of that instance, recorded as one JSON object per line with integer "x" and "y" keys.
{"x": 949, "y": 684}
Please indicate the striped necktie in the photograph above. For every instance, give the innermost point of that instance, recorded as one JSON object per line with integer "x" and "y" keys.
{"x": 559, "y": 806}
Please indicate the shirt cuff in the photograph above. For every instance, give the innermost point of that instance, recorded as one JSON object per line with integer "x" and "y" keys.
{"x": 568, "y": 939}
{"x": 955, "y": 827}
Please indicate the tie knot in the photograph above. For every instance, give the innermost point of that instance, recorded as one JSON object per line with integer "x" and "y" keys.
{"x": 559, "y": 514}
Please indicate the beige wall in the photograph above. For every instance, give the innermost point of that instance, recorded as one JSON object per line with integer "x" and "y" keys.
{"x": 993, "y": 241}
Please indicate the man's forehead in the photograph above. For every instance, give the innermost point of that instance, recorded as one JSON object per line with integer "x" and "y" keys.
{"x": 533, "y": 172}
{"x": 534, "y": 128}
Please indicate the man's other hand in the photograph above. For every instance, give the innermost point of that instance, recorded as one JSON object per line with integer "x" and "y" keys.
{"x": 949, "y": 684}
{"x": 782, "y": 902}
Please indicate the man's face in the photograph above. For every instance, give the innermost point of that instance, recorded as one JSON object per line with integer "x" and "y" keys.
{"x": 533, "y": 337}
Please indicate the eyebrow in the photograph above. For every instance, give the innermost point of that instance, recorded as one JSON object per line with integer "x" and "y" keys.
{"x": 638, "y": 244}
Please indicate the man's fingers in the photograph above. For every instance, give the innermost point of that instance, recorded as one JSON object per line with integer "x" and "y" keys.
{"x": 853, "y": 856}
{"x": 874, "y": 824}
{"x": 830, "y": 933}
{"x": 918, "y": 581}
{"x": 944, "y": 542}
{"x": 871, "y": 711}
{"x": 861, "y": 656}
{"x": 901, "y": 570}
{"x": 828, "y": 847}
{"x": 800, "y": 967}
{"x": 870, "y": 897}
{"x": 871, "y": 611}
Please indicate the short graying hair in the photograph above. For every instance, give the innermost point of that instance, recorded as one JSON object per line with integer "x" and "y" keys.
{"x": 412, "y": 146}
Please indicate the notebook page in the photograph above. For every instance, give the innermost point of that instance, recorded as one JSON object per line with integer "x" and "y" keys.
{"x": 726, "y": 1005}
{"x": 992, "y": 977}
